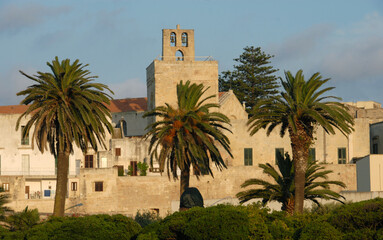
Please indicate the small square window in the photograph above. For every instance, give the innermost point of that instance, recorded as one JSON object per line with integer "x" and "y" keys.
{"x": 74, "y": 186}
{"x": 118, "y": 152}
{"x": 88, "y": 161}
{"x": 99, "y": 186}
{"x": 5, "y": 187}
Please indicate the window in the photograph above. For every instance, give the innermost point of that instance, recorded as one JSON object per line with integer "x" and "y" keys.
{"x": 118, "y": 152}
{"x": 279, "y": 153}
{"x": 73, "y": 186}
{"x": 5, "y": 187}
{"x": 98, "y": 186}
{"x": 248, "y": 152}
{"x": 24, "y": 139}
{"x": 341, "y": 155}
{"x": 375, "y": 148}
{"x": 133, "y": 168}
{"x": 25, "y": 164}
{"x": 179, "y": 56}
{"x": 312, "y": 154}
{"x": 184, "y": 39}
{"x": 173, "y": 39}
{"x": 88, "y": 161}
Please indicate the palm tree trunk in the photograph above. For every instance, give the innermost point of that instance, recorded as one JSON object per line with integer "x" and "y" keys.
{"x": 300, "y": 144}
{"x": 185, "y": 176}
{"x": 61, "y": 183}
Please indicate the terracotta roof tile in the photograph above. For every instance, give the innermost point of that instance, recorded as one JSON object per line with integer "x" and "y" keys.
{"x": 128, "y": 105}
{"x": 13, "y": 109}
{"x": 116, "y": 105}
{"x": 220, "y": 94}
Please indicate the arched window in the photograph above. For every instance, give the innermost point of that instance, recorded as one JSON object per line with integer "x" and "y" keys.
{"x": 179, "y": 56}
{"x": 124, "y": 127}
{"x": 173, "y": 39}
{"x": 184, "y": 39}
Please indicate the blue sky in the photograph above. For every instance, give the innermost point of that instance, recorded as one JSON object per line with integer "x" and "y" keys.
{"x": 343, "y": 39}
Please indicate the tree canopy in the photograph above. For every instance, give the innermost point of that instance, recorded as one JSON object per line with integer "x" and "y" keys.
{"x": 282, "y": 187}
{"x": 252, "y": 77}
{"x": 66, "y": 108}
{"x": 298, "y": 109}
{"x": 188, "y": 134}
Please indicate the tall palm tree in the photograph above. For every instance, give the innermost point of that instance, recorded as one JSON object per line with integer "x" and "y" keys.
{"x": 186, "y": 136}
{"x": 282, "y": 187}
{"x": 298, "y": 109}
{"x": 65, "y": 107}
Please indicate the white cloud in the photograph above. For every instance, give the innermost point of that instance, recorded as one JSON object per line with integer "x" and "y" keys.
{"x": 302, "y": 44}
{"x": 14, "y": 17}
{"x": 356, "y": 52}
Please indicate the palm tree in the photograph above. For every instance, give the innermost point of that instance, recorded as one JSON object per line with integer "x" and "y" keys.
{"x": 4, "y": 199}
{"x": 298, "y": 109}
{"x": 187, "y": 135}
{"x": 65, "y": 107}
{"x": 282, "y": 187}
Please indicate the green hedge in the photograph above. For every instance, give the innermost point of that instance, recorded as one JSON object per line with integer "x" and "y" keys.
{"x": 88, "y": 227}
{"x": 362, "y": 220}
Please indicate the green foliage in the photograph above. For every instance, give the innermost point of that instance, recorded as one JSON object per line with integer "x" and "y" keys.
{"x": 188, "y": 135}
{"x": 142, "y": 168}
{"x": 320, "y": 230}
{"x": 88, "y": 227}
{"x": 120, "y": 172}
{"x": 297, "y": 109}
{"x": 218, "y": 222}
{"x": 282, "y": 189}
{"x": 24, "y": 220}
{"x": 66, "y": 99}
{"x": 356, "y": 216}
{"x": 65, "y": 108}
{"x": 4, "y": 199}
{"x": 146, "y": 217}
{"x": 252, "y": 79}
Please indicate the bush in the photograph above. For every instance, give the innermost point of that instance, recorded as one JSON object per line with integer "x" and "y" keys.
{"x": 88, "y": 227}
{"x": 257, "y": 222}
{"x": 357, "y": 216}
{"x": 24, "y": 220}
{"x": 321, "y": 230}
{"x": 218, "y": 222}
{"x": 145, "y": 218}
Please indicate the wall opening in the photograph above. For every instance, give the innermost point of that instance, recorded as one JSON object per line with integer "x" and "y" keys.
{"x": 179, "y": 55}
{"x": 173, "y": 39}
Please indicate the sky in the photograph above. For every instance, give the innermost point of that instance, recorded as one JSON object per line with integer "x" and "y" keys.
{"x": 342, "y": 39}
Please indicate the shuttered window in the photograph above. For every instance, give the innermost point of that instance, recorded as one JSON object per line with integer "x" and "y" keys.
{"x": 248, "y": 154}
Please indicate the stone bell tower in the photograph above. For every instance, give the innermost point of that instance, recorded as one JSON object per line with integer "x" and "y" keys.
{"x": 178, "y": 62}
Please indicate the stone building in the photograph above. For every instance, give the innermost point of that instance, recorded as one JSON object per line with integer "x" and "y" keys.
{"x": 98, "y": 181}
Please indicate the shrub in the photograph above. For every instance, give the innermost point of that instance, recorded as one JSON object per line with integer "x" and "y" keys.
{"x": 142, "y": 167}
{"x": 146, "y": 217}
{"x": 325, "y": 208}
{"x": 357, "y": 216}
{"x": 218, "y": 222}
{"x": 321, "y": 231}
{"x": 88, "y": 227}
{"x": 24, "y": 220}
{"x": 257, "y": 222}
{"x": 221, "y": 222}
